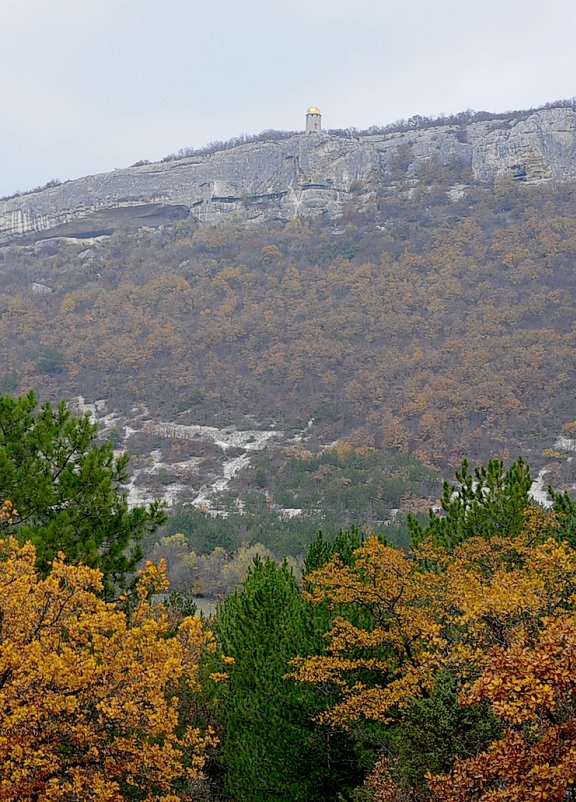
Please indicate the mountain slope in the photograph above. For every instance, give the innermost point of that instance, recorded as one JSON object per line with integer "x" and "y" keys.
{"x": 430, "y": 322}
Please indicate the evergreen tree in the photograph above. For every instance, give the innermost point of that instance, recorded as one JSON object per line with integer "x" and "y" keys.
{"x": 490, "y": 501}
{"x": 435, "y": 731}
{"x": 67, "y": 490}
{"x": 321, "y": 550}
{"x": 565, "y": 510}
{"x": 271, "y": 748}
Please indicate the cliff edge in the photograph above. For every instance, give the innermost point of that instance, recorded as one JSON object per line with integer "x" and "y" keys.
{"x": 304, "y": 175}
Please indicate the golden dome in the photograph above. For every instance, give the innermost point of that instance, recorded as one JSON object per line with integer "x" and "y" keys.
{"x": 313, "y": 110}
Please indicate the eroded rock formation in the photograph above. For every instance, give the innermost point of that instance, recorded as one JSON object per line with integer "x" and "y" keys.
{"x": 300, "y": 176}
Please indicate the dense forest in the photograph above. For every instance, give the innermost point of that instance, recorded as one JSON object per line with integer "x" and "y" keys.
{"x": 439, "y": 323}
{"x": 364, "y": 649}
{"x": 441, "y": 672}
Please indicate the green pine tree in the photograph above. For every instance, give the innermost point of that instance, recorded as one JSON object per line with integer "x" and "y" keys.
{"x": 490, "y": 501}
{"x": 271, "y": 748}
{"x": 565, "y": 509}
{"x": 67, "y": 490}
{"x": 321, "y": 550}
{"x": 436, "y": 730}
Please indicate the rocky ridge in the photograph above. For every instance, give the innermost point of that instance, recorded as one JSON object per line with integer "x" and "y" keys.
{"x": 304, "y": 175}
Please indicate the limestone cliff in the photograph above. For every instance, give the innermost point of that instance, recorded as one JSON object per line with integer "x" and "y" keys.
{"x": 308, "y": 174}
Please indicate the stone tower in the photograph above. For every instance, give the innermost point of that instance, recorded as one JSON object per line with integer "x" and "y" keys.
{"x": 313, "y": 120}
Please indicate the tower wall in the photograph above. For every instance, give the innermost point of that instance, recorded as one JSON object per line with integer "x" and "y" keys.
{"x": 313, "y": 121}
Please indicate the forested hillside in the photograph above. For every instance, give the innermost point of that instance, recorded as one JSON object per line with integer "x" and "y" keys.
{"x": 417, "y": 659}
{"x": 440, "y": 673}
{"x": 439, "y": 321}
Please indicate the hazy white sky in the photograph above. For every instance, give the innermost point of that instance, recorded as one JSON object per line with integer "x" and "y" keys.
{"x": 91, "y": 85}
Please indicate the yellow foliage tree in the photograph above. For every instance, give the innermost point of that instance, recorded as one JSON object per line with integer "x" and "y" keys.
{"x": 91, "y": 698}
{"x": 497, "y": 614}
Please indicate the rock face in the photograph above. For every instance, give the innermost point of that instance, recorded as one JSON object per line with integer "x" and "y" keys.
{"x": 305, "y": 175}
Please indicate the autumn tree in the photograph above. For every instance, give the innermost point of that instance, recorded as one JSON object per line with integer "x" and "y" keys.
{"x": 92, "y": 702}
{"x": 439, "y": 611}
{"x": 457, "y": 318}
{"x": 531, "y": 686}
{"x": 67, "y": 489}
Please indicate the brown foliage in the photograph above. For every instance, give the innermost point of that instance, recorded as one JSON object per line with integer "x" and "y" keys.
{"x": 446, "y": 327}
{"x": 498, "y": 614}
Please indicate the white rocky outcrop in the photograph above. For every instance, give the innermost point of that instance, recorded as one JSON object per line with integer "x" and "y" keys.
{"x": 299, "y": 176}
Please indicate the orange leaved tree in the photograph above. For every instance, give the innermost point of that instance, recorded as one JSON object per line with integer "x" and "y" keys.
{"x": 531, "y": 686}
{"x": 494, "y": 615}
{"x": 91, "y": 699}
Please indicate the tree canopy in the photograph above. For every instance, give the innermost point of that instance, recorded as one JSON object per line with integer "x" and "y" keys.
{"x": 434, "y": 322}
{"x": 91, "y": 699}
{"x": 272, "y": 748}
{"x": 67, "y": 490}
{"x": 486, "y": 502}
{"x": 494, "y": 613}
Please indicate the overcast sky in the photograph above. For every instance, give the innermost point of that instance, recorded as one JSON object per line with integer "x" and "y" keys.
{"x": 92, "y": 85}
